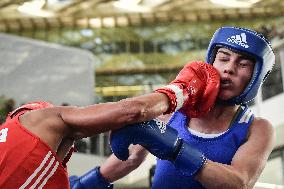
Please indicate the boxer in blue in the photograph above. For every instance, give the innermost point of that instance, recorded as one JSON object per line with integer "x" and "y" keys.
{"x": 195, "y": 81}
{"x": 226, "y": 147}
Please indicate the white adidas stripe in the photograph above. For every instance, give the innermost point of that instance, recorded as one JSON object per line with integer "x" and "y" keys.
{"x": 50, "y": 174}
{"x": 42, "y": 175}
{"x": 246, "y": 116}
{"x": 244, "y": 37}
{"x": 239, "y": 40}
{"x": 237, "y": 37}
{"x": 36, "y": 171}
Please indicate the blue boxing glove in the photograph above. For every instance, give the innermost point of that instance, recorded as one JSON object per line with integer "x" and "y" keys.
{"x": 152, "y": 135}
{"x": 161, "y": 141}
{"x": 91, "y": 180}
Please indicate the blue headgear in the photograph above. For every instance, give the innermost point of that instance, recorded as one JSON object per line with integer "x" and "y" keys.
{"x": 251, "y": 43}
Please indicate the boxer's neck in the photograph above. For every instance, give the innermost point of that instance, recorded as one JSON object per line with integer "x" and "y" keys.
{"x": 216, "y": 121}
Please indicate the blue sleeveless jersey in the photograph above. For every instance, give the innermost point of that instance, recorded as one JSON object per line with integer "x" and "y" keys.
{"x": 218, "y": 149}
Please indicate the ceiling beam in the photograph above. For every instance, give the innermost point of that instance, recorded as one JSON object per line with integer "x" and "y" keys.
{"x": 268, "y": 3}
{"x": 72, "y": 5}
{"x": 6, "y": 3}
{"x": 176, "y": 5}
{"x": 123, "y": 20}
{"x": 80, "y": 6}
{"x": 92, "y": 5}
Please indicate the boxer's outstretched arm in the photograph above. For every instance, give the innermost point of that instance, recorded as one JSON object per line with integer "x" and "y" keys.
{"x": 196, "y": 81}
{"x": 99, "y": 118}
{"x": 54, "y": 123}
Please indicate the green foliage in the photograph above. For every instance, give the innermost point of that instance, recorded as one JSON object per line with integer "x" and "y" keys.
{"x": 149, "y": 59}
{"x": 157, "y": 32}
{"x": 6, "y": 105}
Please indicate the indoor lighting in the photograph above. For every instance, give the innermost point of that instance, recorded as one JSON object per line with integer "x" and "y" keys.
{"x": 34, "y": 8}
{"x": 131, "y": 5}
{"x": 235, "y": 3}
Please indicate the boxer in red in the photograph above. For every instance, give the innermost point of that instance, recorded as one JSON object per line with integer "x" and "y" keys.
{"x": 37, "y": 138}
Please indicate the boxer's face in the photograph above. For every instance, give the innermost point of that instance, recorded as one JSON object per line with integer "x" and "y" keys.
{"x": 235, "y": 71}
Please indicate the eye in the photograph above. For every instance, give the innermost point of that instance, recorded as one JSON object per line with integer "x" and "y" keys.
{"x": 242, "y": 64}
{"x": 223, "y": 58}
{"x": 246, "y": 64}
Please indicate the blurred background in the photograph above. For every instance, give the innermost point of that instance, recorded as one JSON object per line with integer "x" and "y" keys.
{"x": 81, "y": 52}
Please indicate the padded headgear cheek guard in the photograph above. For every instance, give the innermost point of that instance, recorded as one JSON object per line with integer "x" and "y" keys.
{"x": 249, "y": 42}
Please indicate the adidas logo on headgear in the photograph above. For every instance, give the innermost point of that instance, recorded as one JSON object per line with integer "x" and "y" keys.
{"x": 239, "y": 40}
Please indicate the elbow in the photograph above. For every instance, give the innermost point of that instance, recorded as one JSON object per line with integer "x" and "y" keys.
{"x": 234, "y": 182}
{"x": 241, "y": 183}
{"x": 236, "y": 185}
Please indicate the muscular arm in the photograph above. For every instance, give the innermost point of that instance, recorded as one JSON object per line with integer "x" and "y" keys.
{"x": 176, "y": 95}
{"x": 54, "y": 124}
{"x": 99, "y": 118}
{"x": 247, "y": 164}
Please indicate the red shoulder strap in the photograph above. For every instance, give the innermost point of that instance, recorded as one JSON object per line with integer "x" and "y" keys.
{"x": 30, "y": 106}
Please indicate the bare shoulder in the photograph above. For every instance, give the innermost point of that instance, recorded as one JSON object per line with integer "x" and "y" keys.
{"x": 46, "y": 124}
{"x": 262, "y": 125}
{"x": 258, "y": 146}
{"x": 41, "y": 118}
{"x": 262, "y": 130}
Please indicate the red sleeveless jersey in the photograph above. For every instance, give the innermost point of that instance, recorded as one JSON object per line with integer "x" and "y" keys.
{"x": 26, "y": 161}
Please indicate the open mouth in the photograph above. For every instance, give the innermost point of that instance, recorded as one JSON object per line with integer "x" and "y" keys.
{"x": 226, "y": 82}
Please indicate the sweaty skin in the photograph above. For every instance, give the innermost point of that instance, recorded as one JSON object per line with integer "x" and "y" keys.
{"x": 60, "y": 126}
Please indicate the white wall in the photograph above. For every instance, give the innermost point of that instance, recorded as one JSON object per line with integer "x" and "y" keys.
{"x": 271, "y": 109}
{"x": 34, "y": 70}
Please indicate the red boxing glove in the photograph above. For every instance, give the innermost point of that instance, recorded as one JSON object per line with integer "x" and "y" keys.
{"x": 194, "y": 90}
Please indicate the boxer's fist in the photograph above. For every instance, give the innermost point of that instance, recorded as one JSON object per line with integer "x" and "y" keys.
{"x": 160, "y": 140}
{"x": 91, "y": 180}
{"x": 152, "y": 135}
{"x": 194, "y": 90}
